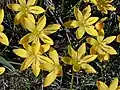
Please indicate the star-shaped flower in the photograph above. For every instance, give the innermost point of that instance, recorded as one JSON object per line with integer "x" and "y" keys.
{"x": 25, "y": 9}
{"x": 79, "y": 60}
{"x": 33, "y": 56}
{"x": 83, "y": 21}
{"x": 37, "y": 31}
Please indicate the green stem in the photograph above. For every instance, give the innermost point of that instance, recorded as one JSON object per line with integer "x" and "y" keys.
{"x": 72, "y": 79}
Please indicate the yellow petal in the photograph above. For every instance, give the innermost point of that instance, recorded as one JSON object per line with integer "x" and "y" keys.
{"x": 18, "y": 17}
{"x": 52, "y": 28}
{"x": 76, "y": 67}
{"x": 2, "y": 70}
{"x": 88, "y": 58}
{"x": 1, "y": 15}
{"x": 15, "y": 7}
{"x": 41, "y": 23}
{"x": 118, "y": 38}
{"x": 44, "y": 48}
{"x": 27, "y": 47}
{"x": 1, "y": 28}
{"x": 88, "y": 68}
{"x": 36, "y": 68}
{"x": 93, "y": 50}
{"x": 87, "y": 12}
{"x": 81, "y": 50}
{"x": 36, "y": 47}
{"x": 44, "y": 59}
{"x": 78, "y": 14}
{"x": 71, "y": 24}
{"x": 109, "y": 49}
{"x": 22, "y": 2}
{"x": 4, "y": 39}
{"x": 54, "y": 56}
{"x": 27, "y": 63}
{"x": 109, "y": 39}
{"x": 110, "y": 7}
{"x": 67, "y": 60}
{"x": 91, "y": 41}
{"x": 114, "y": 84}
{"x": 20, "y": 52}
{"x": 91, "y": 20}
{"x": 47, "y": 67}
{"x": 25, "y": 39}
{"x": 72, "y": 52}
{"x": 91, "y": 31}
{"x": 101, "y": 86}
{"x": 46, "y": 39}
{"x": 80, "y": 32}
{"x": 100, "y": 38}
{"x": 29, "y": 24}
{"x": 36, "y": 10}
{"x": 31, "y": 2}
{"x": 50, "y": 78}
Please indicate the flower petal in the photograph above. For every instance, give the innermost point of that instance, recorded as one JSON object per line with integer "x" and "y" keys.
{"x": 27, "y": 63}
{"x": 109, "y": 49}
{"x": 44, "y": 59}
{"x": 36, "y": 68}
{"x": 29, "y": 24}
{"x": 54, "y": 56}
{"x": 109, "y": 39}
{"x": 81, "y": 51}
{"x": 4, "y": 39}
{"x": 25, "y": 39}
{"x": 67, "y": 60}
{"x": 22, "y": 2}
{"x": 76, "y": 67}
{"x": 91, "y": 41}
{"x": 1, "y": 15}
{"x": 91, "y": 31}
{"x": 88, "y": 58}
{"x": 110, "y": 7}
{"x": 47, "y": 67}
{"x": 100, "y": 38}
{"x": 18, "y": 17}
{"x": 46, "y": 39}
{"x": 114, "y": 84}
{"x": 80, "y": 32}
{"x": 91, "y": 20}
{"x": 50, "y": 78}
{"x": 71, "y": 24}
{"x": 52, "y": 28}
{"x": 88, "y": 68}
{"x": 72, "y": 52}
{"x": 41, "y": 23}
{"x": 101, "y": 86}
{"x": 78, "y": 14}
{"x": 31, "y": 2}
{"x": 1, "y": 28}
{"x": 35, "y": 47}
{"x": 36, "y": 10}
{"x": 2, "y": 70}
{"x": 87, "y": 12}
{"x": 15, "y": 7}
{"x": 20, "y": 52}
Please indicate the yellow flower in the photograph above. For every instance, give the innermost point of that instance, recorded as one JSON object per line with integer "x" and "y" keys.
{"x": 104, "y": 5}
{"x": 113, "y": 86}
{"x": 101, "y": 48}
{"x": 54, "y": 68}
{"x": 3, "y": 37}
{"x": 33, "y": 56}
{"x": 2, "y": 70}
{"x": 38, "y": 31}
{"x": 83, "y": 21}
{"x": 25, "y": 9}
{"x": 79, "y": 60}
